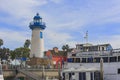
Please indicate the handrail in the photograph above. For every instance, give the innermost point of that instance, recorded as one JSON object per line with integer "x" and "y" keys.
{"x": 29, "y": 74}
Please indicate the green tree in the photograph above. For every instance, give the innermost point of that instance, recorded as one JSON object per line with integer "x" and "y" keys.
{"x": 1, "y": 42}
{"x": 27, "y": 43}
{"x": 4, "y": 53}
{"x": 12, "y": 54}
{"x": 20, "y": 52}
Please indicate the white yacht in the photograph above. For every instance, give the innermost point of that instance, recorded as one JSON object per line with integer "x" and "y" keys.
{"x": 89, "y": 56}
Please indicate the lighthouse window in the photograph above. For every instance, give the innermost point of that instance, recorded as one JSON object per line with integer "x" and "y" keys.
{"x": 41, "y": 35}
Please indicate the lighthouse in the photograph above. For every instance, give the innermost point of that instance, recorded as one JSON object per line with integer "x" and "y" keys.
{"x": 37, "y": 41}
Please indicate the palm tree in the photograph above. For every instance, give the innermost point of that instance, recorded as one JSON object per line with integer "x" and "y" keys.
{"x": 65, "y": 47}
{"x": 1, "y": 42}
{"x": 27, "y": 43}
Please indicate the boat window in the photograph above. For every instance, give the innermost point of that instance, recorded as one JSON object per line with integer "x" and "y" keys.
{"x": 118, "y": 58}
{"x": 91, "y": 75}
{"x": 96, "y": 75}
{"x": 82, "y": 76}
{"x": 83, "y": 60}
{"x": 70, "y": 75}
{"x": 73, "y": 73}
{"x": 105, "y": 59}
{"x": 70, "y": 59}
{"x": 97, "y": 60}
{"x": 113, "y": 59}
{"x": 63, "y": 76}
{"x": 118, "y": 71}
{"x": 74, "y": 60}
{"x": 66, "y": 76}
{"x": 73, "y": 54}
{"x": 78, "y": 60}
{"x": 90, "y": 60}
{"x": 103, "y": 49}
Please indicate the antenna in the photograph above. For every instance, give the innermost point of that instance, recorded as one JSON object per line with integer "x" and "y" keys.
{"x": 86, "y": 37}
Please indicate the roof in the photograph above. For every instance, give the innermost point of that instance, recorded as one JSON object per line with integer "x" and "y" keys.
{"x": 37, "y": 17}
{"x": 60, "y": 53}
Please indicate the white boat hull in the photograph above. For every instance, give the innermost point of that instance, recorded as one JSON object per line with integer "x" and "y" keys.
{"x": 110, "y": 69}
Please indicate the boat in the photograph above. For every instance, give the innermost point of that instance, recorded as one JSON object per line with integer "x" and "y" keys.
{"x": 88, "y": 56}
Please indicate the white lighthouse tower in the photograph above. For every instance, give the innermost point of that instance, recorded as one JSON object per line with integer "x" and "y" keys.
{"x": 37, "y": 41}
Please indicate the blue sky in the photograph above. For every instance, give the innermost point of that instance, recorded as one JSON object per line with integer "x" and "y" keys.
{"x": 67, "y": 21}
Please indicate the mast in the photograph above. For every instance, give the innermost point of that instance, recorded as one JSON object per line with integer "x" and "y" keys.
{"x": 86, "y": 37}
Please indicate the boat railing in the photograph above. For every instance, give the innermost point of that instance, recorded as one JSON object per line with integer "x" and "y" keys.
{"x": 95, "y": 53}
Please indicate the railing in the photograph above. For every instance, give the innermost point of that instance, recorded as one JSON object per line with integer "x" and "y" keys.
{"x": 30, "y": 75}
{"x": 33, "y": 74}
{"x": 95, "y": 53}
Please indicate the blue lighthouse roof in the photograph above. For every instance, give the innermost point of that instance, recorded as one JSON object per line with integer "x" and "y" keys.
{"x": 37, "y": 23}
{"x": 37, "y": 17}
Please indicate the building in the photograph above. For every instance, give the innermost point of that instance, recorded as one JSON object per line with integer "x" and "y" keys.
{"x": 58, "y": 57}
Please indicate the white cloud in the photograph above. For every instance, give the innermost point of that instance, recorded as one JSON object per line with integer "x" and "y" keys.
{"x": 20, "y": 7}
{"x": 56, "y": 1}
{"x": 13, "y": 39}
{"x": 20, "y": 13}
{"x": 55, "y": 39}
{"x": 114, "y": 40}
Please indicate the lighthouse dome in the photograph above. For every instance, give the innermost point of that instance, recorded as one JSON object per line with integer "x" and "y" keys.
{"x": 37, "y": 23}
{"x": 37, "y": 17}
